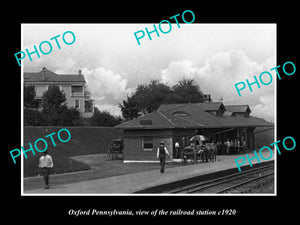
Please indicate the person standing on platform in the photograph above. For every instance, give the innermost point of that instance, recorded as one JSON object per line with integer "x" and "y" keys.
{"x": 227, "y": 144}
{"x": 177, "y": 148}
{"x": 161, "y": 154}
{"x": 46, "y": 164}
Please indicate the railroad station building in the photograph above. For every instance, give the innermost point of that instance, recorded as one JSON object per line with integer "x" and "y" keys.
{"x": 179, "y": 122}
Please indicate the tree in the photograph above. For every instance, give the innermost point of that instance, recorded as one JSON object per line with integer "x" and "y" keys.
{"x": 29, "y": 97}
{"x": 69, "y": 116}
{"x": 148, "y": 97}
{"x": 55, "y": 108}
{"x": 53, "y": 99}
{"x": 33, "y": 117}
{"x": 129, "y": 108}
{"x": 104, "y": 119}
{"x": 187, "y": 91}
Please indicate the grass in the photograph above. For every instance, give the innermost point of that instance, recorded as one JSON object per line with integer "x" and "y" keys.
{"x": 84, "y": 141}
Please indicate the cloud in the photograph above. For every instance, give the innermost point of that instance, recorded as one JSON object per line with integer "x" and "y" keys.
{"x": 220, "y": 72}
{"x": 177, "y": 70}
{"x": 112, "y": 109}
{"x": 265, "y": 108}
{"x": 107, "y": 88}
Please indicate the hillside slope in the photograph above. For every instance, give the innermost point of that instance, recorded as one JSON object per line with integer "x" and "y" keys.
{"x": 84, "y": 141}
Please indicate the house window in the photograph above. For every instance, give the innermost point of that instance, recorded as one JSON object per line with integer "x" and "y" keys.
{"x": 76, "y": 90}
{"x": 147, "y": 143}
{"x": 76, "y": 103}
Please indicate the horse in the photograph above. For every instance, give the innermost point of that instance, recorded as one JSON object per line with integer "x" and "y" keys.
{"x": 211, "y": 149}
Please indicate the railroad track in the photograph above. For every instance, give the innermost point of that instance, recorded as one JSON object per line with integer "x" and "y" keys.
{"x": 227, "y": 183}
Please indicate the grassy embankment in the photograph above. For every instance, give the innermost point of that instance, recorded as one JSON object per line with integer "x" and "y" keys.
{"x": 84, "y": 141}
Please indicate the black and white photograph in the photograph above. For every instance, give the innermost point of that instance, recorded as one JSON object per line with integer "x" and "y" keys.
{"x": 169, "y": 114}
{"x": 160, "y": 117}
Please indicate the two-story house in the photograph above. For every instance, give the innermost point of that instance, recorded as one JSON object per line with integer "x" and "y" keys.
{"x": 73, "y": 85}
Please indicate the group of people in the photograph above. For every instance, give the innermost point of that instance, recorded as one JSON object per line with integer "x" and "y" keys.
{"x": 231, "y": 145}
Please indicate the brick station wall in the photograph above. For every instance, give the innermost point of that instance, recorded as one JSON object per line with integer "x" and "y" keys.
{"x": 133, "y": 144}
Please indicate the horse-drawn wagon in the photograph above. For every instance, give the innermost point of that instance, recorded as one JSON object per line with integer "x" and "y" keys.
{"x": 116, "y": 150}
{"x": 199, "y": 149}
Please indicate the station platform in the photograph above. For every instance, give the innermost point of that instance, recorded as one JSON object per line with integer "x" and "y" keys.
{"x": 135, "y": 182}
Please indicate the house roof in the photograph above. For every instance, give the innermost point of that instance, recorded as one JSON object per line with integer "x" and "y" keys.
{"x": 191, "y": 116}
{"x": 46, "y": 75}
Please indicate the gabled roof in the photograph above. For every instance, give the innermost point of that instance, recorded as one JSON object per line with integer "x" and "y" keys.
{"x": 211, "y": 106}
{"x": 206, "y": 106}
{"x": 158, "y": 120}
{"x": 167, "y": 107}
{"x": 242, "y": 121}
{"x": 192, "y": 116}
{"x": 237, "y": 108}
{"x": 197, "y": 114}
{"x": 48, "y": 76}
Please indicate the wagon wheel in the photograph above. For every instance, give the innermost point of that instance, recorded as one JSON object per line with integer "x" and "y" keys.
{"x": 202, "y": 156}
{"x": 122, "y": 155}
{"x": 183, "y": 160}
{"x": 195, "y": 157}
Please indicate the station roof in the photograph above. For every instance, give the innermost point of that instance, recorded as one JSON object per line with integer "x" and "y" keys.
{"x": 237, "y": 108}
{"x": 159, "y": 120}
{"x": 192, "y": 116}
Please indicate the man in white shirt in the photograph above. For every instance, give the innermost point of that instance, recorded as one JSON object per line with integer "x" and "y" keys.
{"x": 177, "y": 148}
{"x": 161, "y": 154}
{"x": 46, "y": 164}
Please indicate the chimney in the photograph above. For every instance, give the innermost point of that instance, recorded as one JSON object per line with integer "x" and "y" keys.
{"x": 79, "y": 71}
{"x": 44, "y": 71}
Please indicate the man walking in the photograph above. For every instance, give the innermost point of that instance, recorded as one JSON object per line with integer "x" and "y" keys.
{"x": 46, "y": 164}
{"x": 161, "y": 154}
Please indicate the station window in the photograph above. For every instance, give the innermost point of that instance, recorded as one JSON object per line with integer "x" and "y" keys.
{"x": 147, "y": 143}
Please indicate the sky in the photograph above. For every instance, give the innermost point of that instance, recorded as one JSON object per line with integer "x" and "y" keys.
{"x": 216, "y": 56}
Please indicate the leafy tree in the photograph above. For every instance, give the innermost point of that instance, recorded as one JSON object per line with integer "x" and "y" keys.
{"x": 52, "y": 100}
{"x": 129, "y": 108}
{"x": 34, "y": 117}
{"x": 104, "y": 119}
{"x": 55, "y": 108}
{"x": 29, "y": 97}
{"x": 148, "y": 97}
{"x": 69, "y": 116}
{"x": 187, "y": 91}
